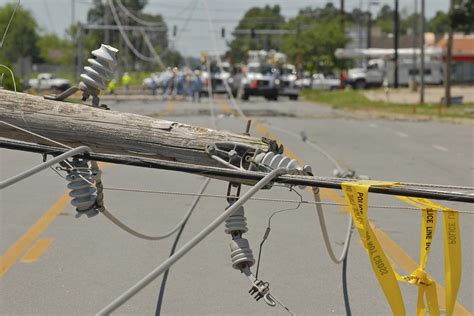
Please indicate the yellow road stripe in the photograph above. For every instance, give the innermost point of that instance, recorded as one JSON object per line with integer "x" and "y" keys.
{"x": 168, "y": 109}
{"x": 37, "y": 250}
{"x": 396, "y": 253}
{"x": 10, "y": 257}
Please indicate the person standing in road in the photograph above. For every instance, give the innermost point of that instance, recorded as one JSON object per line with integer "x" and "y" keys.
{"x": 126, "y": 81}
{"x": 112, "y": 86}
{"x": 154, "y": 85}
{"x": 196, "y": 86}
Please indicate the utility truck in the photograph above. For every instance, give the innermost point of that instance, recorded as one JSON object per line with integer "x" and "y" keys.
{"x": 379, "y": 66}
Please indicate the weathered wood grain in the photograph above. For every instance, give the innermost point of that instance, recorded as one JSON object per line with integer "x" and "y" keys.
{"x": 110, "y": 131}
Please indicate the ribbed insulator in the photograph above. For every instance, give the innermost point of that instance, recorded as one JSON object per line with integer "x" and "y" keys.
{"x": 236, "y": 222}
{"x": 83, "y": 193}
{"x": 241, "y": 254}
{"x": 100, "y": 71}
{"x": 276, "y": 161}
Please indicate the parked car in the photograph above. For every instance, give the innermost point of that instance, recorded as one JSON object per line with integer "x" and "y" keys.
{"x": 305, "y": 81}
{"x": 47, "y": 81}
{"x": 323, "y": 82}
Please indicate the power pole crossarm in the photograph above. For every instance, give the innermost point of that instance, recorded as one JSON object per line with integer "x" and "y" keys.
{"x": 111, "y": 132}
{"x": 263, "y": 32}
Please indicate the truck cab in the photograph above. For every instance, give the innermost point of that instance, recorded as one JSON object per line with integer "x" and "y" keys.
{"x": 288, "y": 86}
{"x": 216, "y": 77}
{"x": 259, "y": 79}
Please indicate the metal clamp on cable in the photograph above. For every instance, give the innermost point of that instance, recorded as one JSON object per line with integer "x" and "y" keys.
{"x": 261, "y": 289}
{"x": 233, "y": 155}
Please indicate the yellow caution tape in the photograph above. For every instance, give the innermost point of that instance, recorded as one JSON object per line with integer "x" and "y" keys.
{"x": 452, "y": 249}
{"x": 356, "y": 194}
{"x": 426, "y": 286}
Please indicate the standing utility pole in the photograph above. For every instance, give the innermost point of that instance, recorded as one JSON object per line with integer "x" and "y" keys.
{"x": 415, "y": 28}
{"x": 369, "y": 29}
{"x": 73, "y": 12}
{"x": 80, "y": 50}
{"x": 395, "y": 45}
{"x": 449, "y": 52}
{"x": 422, "y": 57}
{"x": 107, "y": 22}
{"x": 341, "y": 13}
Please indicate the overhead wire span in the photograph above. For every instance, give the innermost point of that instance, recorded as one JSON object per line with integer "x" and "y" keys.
{"x": 136, "y": 18}
{"x": 221, "y": 196}
{"x": 124, "y": 35}
{"x": 308, "y": 142}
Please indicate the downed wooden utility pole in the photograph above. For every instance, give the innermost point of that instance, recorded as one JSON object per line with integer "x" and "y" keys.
{"x": 112, "y": 132}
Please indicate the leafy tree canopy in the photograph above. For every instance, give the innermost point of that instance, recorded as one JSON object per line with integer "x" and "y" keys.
{"x": 314, "y": 45}
{"x": 463, "y": 16}
{"x": 21, "y": 38}
{"x": 268, "y": 18}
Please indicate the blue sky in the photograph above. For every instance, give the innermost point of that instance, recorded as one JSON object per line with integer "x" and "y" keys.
{"x": 56, "y": 15}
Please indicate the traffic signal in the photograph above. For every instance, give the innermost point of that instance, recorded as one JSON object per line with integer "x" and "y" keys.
{"x": 175, "y": 30}
{"x": 223, "y": 32}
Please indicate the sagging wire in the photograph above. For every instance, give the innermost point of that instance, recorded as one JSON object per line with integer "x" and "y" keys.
{"x": 165, "y": 265}
{"x": 268, "y": 229}
{"x": 180, "y": 193}
{"x": 304, "y": 138}
{"x": 161, "y": 294}
{"x": 127, "y": 40}
{"x": 322, "y": 224}
{"x": 8, "y": 25}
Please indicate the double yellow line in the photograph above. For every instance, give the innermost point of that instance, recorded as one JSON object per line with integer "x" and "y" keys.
{"x": 395, "y": 252}
{"x": 37, "y": 247}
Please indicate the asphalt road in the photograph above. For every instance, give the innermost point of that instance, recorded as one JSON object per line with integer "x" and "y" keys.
{"x": 56, "y": 264}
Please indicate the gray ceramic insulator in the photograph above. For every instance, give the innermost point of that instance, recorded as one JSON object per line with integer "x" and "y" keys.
{"x": 236, "y": 222}
{"x": 82, "y": 192}
{"x": 101, "y": 70}
{"x": 241, "y": 254}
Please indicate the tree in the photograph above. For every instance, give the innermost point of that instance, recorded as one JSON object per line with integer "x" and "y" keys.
{"x": 55, "y": 50}
{"x": 463, "y": 16}
{"x": 439, "y": 23}
{"x": 101, "y": 13}
{"x": 268, "y": 18}
{"x": 21, "y": 38}
{"x": 314, "y": 46}
{"x": 384, "y": 19}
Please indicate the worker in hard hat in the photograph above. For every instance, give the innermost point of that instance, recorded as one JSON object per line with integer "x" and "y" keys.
{"x": 172, "y": 84}
{"x": 196, "y": 86}
{"x": 126, "y": 79}
{"x": 112, "y": 86}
